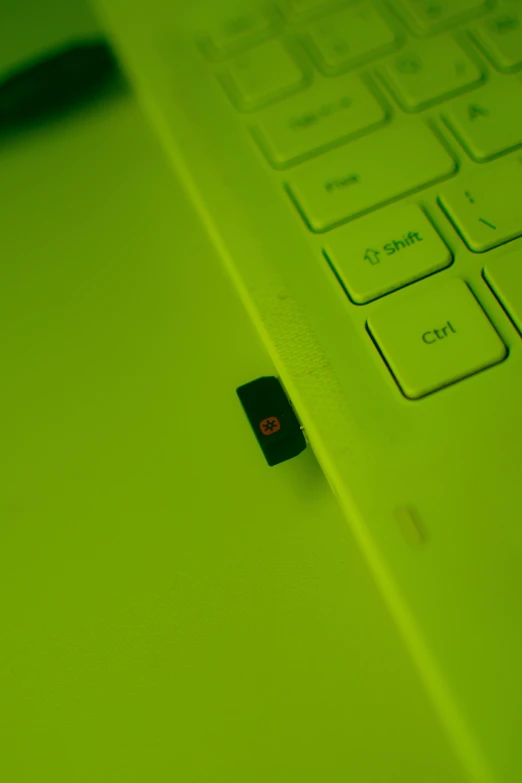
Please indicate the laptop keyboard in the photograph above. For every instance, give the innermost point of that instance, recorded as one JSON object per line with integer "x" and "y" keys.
{"x": 360, "y": 104}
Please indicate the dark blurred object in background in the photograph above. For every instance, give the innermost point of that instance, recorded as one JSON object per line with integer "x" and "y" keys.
{"x": 55, "y": 81}
{"x": 53, "y": 57}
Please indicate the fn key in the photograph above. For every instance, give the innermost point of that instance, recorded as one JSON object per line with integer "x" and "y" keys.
{"x": 272, "y": 418}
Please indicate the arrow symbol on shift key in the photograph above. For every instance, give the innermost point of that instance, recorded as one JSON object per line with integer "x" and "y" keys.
{"x": 372, "y": 256}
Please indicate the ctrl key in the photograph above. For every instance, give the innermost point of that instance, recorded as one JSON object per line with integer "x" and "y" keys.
{"x": 434, "y": 339}
{"x": 272, "y": 418}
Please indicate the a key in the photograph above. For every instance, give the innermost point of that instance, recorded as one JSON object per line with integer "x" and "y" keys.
{"x": 488, "y": 122}
{"x": 430, "y": 16}
{"x": 303, "y": 9}
{"x": 385, "y": 251}
{"x": 504, "y": 276}
{"x": 265, "y": 73}
{"x": 500, "y": 37}
{"x": 426, "y": 72}
{"x": 486, "y": 207}
{"x": 436, "y": 338}
{"x": 328, "y": 112}
{"x": 348, "y": 37}
{"x": 367, "y": 173}
{"x": 231, "y": 30}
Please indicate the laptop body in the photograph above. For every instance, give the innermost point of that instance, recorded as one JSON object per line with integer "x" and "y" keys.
{"x": 358, "y": 166}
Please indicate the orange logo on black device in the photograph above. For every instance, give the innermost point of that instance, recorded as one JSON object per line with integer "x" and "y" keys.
{"x": 269, "y": 426}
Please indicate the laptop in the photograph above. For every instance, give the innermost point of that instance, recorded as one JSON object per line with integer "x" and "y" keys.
{"x": 358, "y": 166}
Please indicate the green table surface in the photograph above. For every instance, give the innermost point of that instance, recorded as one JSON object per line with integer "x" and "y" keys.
{"x": 172, "y": 609}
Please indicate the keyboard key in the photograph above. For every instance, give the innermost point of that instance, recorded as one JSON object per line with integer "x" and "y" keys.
{"x": 368, "y": 173}
{"x": 500, "y": 37}
{"x": 301, "y": 9}
{"x": 327, "y": 112}
{"x": 263, "y": 74}
{"x": 489, "y": 122}
{"x": 485, "y": 207}
{"x": 385, "y": 251}
{"x": 348, "y": 37}
{"x": 426, "y": 72}
{"x": 504, "y": 275}
{"x": 239, "y": 27}
{"x": 430, "y": 16}
{"x": 435, "y": 338}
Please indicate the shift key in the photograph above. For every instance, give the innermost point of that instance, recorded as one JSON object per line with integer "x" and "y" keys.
{"x": 368, "y": 173}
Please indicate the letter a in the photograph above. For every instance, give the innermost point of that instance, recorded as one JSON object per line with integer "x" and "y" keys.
{"x": 474, "y": 111}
